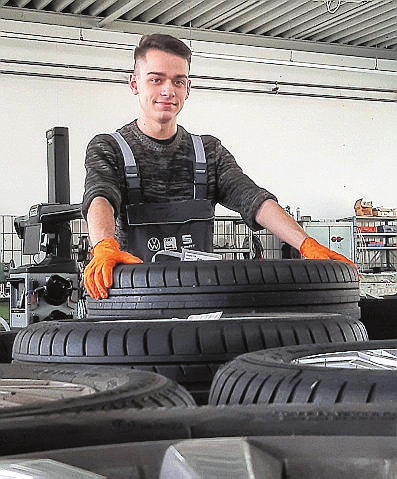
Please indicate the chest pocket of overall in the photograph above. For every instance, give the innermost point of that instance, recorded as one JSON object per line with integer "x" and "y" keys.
{"x": 171, "y": 226}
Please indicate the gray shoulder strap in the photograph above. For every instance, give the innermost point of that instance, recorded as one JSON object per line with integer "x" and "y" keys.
{"x": 198, "y": 148}
{"x": 129, "y": 159}
{"x": 131, "y": 170}
{"x": 130, "y": 167}
{"x": 200, "y": 169}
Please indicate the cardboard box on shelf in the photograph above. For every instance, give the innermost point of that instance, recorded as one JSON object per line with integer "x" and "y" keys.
{"x": 380, "y": 211}
{"x": 363, "y": 208}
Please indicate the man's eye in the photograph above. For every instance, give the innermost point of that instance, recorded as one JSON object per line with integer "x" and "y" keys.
{"x": 180, "y": 83}
{"x": 155, "y": 80}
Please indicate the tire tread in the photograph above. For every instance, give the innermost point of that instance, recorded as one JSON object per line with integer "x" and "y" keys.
{"x": 184, "y": 339}
{"x": 235, "y": 285}
{"x": 280, "y": 381}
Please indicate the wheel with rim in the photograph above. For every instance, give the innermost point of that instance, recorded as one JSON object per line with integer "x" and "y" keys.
{"x": 155, "y": 291}
{"x": 28, "y": 389}
{"x": 187, "y": 351}
{"x": 349, "y": 373}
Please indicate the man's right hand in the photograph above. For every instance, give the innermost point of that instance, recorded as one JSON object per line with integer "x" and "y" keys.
{"x": 98, "y": 274}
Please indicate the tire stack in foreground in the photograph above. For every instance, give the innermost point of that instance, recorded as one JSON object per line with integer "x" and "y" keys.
{"x": 265, "y": 304}
{"x": 187, "y": 351}
{"x": 184, "y": 347}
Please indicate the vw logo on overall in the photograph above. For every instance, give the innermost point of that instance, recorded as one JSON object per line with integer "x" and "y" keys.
{"x": 153, "y": 244}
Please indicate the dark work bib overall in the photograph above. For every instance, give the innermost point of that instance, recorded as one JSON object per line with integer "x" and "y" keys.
{"x": 154, "y": 227}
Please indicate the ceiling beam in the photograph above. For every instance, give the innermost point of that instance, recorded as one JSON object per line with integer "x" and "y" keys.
{"x": 79, "y": 6}
{"x": 197, "y": 11}
{"x": 229, "y": 12}
{"x": 370, "y": 39}
{"x": 295, "y": 24}
{"x": 250, "y": 26}
{"x": 21, "y": 3}
{"x": 117, "y": 10}
{"x": 354, "y": 24}
{"x": 219, "y": 8}
{"x": 273, "y": 19}
{"x": 390, "y": 42}
{"x": 140, "y": 28}
{"x": 248, "y": 14}
{"x": 376, "y": 28}
{"x": 40, "y": 4}
{"x": 329, "y": 20}
{"x": 171, "y": 13}
{"x": 60, "y": 5}
{"x": 141, "y": 8}
{"x": 98, "y": 7}
{"x": 156, "y": 10}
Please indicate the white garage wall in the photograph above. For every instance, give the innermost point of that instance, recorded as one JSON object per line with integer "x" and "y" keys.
{"x": 318, "y": 154}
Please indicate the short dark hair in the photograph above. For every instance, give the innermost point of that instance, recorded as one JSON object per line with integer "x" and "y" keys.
{"x": 164, "y": 43}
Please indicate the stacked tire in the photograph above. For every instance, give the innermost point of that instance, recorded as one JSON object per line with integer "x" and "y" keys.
{"x": 255, "y": 355}
{"x": 323, "y": 375}
{"x": 267, "y": 304}
{"x": 180, "y": 289}
{"x": 187, "y": 351}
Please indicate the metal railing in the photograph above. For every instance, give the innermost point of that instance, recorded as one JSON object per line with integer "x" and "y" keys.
{"x": 232, "y": 238}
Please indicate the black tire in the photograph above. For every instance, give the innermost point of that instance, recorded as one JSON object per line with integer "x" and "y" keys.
{"x": 189, "y": 352}
{"x": 115, "y": 388}
{"x": 21, "y": 435}
{"x": 6, "y": 343}
{"x": 155, "y": 291}
{"x": 270, "y": 377}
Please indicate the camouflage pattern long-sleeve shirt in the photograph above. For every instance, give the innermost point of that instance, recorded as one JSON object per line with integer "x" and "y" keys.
{"x": 166, "y": 174}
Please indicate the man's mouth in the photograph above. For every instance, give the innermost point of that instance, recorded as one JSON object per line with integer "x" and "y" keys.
{"x": 166, "y": 103}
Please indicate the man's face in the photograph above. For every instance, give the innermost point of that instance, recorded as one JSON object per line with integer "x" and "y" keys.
{"x": 162, "y": 85}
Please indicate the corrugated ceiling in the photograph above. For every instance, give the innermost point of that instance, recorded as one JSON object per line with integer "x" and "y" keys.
{"x": 351, "y": 24}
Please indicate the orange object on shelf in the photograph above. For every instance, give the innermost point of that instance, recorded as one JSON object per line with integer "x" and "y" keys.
{"x": 367, "y": 229}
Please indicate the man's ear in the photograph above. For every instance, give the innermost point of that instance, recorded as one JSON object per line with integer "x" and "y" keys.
{"x": 132, "y": 83}
{"x": 189, "y": 84}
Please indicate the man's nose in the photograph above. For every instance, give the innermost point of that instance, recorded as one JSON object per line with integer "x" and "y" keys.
{"x": 168, "y": 89}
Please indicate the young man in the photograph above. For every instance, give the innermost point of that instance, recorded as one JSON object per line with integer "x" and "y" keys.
{"x": 154, "y": 186}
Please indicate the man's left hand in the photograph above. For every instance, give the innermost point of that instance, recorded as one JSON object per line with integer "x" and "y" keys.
{"x": 311, "y": 249}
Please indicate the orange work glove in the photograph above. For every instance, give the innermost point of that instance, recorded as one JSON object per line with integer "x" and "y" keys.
{"x": 98, "y": 274}
{"x": 311, "y": 249}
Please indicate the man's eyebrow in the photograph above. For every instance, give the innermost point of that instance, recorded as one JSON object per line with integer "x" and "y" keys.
{"x": 160, "y": 74}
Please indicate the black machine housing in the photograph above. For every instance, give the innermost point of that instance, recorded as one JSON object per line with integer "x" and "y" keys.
{"x": 49, "y": 289}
